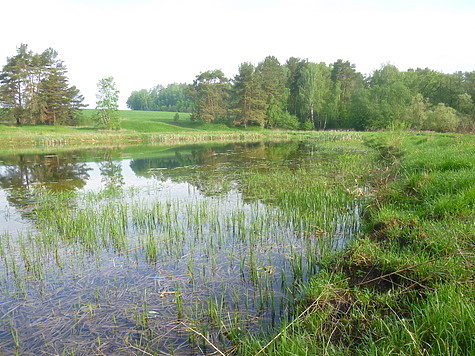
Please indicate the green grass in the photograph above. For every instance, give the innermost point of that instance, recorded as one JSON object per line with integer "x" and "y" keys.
{"x": 136, "y": 126}
{"x": 159, "y": 121}
{"x": 405, "y": 287}
{"x": 144, "y": 121}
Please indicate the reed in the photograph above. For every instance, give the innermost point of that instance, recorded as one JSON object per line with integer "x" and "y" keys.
{"x": 405, "y": 286}
{"x": 228, "y": 260}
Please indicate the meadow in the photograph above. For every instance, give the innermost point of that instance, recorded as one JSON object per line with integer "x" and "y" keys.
{"x": 136, "y": 127}
{"x": 405, "y": 285}
{"x": 337, "y": 243}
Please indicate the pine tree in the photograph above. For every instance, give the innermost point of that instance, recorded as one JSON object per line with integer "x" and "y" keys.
{"x": 249, "y": 99}
{"x": 273, "y": 78}
{"x": 210, "y": 92}
{"x": 13, "y": 84}
{"x": 35, "y": 89}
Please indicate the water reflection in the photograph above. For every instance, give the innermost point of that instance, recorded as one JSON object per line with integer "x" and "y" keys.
{"x": 111, "y": 172}
{"x": 55, "y": 172}
{"x": 210, "y": 169}
{"x": 20, "y": 174}
{"x": 117, "y": 267}
{"x": 71, "y": 170}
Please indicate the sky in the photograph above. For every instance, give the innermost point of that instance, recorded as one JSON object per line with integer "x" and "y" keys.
{"x": 142, "y": 43}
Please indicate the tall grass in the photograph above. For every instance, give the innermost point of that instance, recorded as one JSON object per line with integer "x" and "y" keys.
{"x": 405, "y": 286}
{"x": 217, "y": 266}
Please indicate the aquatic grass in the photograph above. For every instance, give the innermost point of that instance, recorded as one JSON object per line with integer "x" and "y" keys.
{"x": 131, "y": 241}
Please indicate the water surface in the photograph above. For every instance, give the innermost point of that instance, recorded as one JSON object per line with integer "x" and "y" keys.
{"x": 141, "y": 250}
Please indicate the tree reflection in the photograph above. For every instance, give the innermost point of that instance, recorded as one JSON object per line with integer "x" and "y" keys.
{"x": 212, "y": 169}
{"x": 111, "y": 172}
{"x": 20, "y": 174}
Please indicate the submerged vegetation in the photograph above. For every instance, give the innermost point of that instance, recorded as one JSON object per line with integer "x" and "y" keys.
{"x": 188, "y": 263}
{"x": 339, "y": 243}
{"x": 405, "y": 287}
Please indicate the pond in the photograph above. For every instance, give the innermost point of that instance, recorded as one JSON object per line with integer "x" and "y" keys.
{"x": 166, "y": 250}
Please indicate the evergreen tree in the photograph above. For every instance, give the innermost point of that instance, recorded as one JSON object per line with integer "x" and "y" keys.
{"x": 34, "y": 88}
{"x": 210, "y": 92}
{"x": 249, "y": 98}
{"x": 294, "y": 68}
{"x": 60, "y": 103}
{"x": 273, "y": 79}
{"x": 346, "y": 81}
{"x": 14, "y": 84}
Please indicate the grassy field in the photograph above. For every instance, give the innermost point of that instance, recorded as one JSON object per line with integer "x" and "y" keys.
{"x": 159, "y": 121}
{"x": 136, "y": 126}
{"x": 406, "y": 285}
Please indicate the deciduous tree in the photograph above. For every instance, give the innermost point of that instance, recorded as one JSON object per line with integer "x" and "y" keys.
{"x": 389, "y": 97}
{"x": 107, "y": 104}
{"x": 314, "y": 89}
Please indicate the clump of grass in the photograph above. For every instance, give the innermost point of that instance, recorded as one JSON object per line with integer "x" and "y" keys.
{"x": 406, "y": 286}
{"x": 267, "y": 241}
{"x": 441, "y": 324}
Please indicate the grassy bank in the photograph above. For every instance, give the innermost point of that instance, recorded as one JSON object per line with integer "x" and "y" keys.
{"x": 136, "y": 127}
{"x": 405, "y": 286}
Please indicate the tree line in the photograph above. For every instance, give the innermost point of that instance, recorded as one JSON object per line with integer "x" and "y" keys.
{"x": 34, "y": 89}
{"x": 300, "y": 94}
{"x": 175, "y": 97}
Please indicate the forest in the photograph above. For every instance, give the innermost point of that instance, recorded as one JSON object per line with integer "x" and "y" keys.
{"x": 300, "y": 94}
{"x": 296, "y": 95}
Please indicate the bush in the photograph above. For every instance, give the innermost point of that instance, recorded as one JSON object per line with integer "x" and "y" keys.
{"x": 442, "y": 119}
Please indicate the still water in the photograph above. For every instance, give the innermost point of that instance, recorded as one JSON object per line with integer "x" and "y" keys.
{"x": 156, "y": 250}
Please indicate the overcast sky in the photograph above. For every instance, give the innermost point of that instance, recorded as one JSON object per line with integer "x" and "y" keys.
{"x": 142, "y": 43}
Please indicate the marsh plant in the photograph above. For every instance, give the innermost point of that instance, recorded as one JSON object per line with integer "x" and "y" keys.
{"x": 405, "y": 286}
{"x": 154, "y": 269}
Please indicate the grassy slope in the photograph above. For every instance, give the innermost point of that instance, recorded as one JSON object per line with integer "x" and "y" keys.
{"x": 136, "y": 126}
{"x": 405, "y": 287}
{"x": 158, "y": 121}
